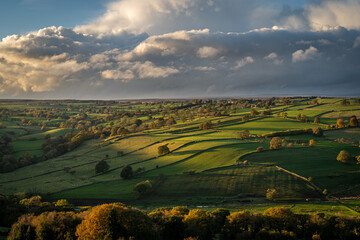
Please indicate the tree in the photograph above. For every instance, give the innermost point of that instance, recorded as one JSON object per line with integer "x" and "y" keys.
{"x": 280, "y": 218}
{"x": 206, "y": 125}
{"x": 312, "y": 142}
{"x": 353, "y": 122}
{"x": 245, "y": 118}
{"x": 340, "y": 123}
{"x": 317, "y": 131}
{"x": 162, "y": 150}
{"x": 126, "y": 172}
{"x": 254, "y": 113}
{"x": 315, "y": 101}
{"x": 344, "y": 102}
{"x": 344, "y": 157}
{"x": 112, "y": 221}
{"x": 21, "y": 231}
{"x": 199, "y": 223}
{"x": 101, "y": 167}
{"x": 143, "y": 187}
{"x": 238, "y": 222}
{"x": 271, "y": 194}
{"x": 244, "y": 134}
{"x": 275, "y": 143}
{"x": 316, "y": 120}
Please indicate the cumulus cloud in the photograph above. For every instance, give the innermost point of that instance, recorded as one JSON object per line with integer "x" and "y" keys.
{"x": 331, "y": 14}
{"x": 274, "y": 58}
{"x": 134, "y": 16}
{"x": 242, "y": 62}
{"x": 308, "y": 54}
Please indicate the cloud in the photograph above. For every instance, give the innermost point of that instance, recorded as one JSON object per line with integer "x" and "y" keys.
{"x": 274, "y": 58}
{"x": 308, "y": 54}
{"x": 242, "y": 62}
{"x": 134, "y": 16}
{"x": 207, "y": 52}
{"x": 222, "y": 48}
{"x": 357, "y": 42}
{"x": 331, "y": 14}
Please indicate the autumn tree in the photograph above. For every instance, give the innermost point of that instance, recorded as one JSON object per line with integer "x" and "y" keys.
{"x": 199, "y": 223}
{"x": 206, "y": 125}
{"x": 316, "y": 120}
{"x": 317, "y": 131}
{"x": 127, "y": 172}
{"x": 340, "y": 123}
{"x": 275, "y": 143}
{"x": 238, "y": 222}
{"x": 353, "y": 122}
{"x": 271, "y": 194}
{"x": 244, "y": 134}
{"x": 280, "y": 219}
{"x": 254, "y": 113}
{"x": 245, "y": 118}
{"x": 112, "y": 221}
{"x": 344, "y": 157}
{"x": 312, "y": 142}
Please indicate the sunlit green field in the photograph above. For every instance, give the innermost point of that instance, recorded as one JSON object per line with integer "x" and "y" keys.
{"x": 214, "y": 156}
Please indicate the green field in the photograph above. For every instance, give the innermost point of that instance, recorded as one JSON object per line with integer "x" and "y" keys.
{"x": 213, "y": 156}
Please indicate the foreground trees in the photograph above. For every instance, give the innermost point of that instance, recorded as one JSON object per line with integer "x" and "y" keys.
{"x": 117, "y": 221}
{"x": 114, "y": 221}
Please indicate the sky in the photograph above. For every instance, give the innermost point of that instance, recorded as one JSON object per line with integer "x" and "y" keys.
{"x": 120, "y": 49}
